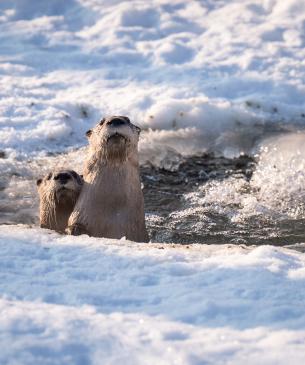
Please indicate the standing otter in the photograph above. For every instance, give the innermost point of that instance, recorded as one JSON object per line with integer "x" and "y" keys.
{"x": 58, "y": 192}
{"x": 111, "y": 202}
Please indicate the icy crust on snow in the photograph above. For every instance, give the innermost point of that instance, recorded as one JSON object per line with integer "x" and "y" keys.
{"x": 93, "y": 301}
{"x": 201, "y": 75}
{"x": 80, "y": 299}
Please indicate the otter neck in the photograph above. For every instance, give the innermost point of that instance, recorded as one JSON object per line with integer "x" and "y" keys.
{"x": 57, "y": 218}
{"x": 110, "y": 158}
{"x": 114, "y": 184}
{"x": 113, "y": 170}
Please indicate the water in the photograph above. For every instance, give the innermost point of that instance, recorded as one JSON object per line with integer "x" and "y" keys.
{"x": 220, "y": 205}
{"x": 204, "y": 198}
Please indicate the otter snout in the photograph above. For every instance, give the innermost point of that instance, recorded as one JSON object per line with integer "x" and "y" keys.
{"x": 62, "y": 177}
{"x": 116, "y": 122}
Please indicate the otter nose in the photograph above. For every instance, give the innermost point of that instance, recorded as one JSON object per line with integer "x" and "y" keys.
{"x": 63, "y": 177}
{"x": 116, "y": 122}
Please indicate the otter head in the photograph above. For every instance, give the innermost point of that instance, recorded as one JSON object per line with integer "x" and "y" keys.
{"x": 62, "y": 186}
{"x": 115, "y": 138}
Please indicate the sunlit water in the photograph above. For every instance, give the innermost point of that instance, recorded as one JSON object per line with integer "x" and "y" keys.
{"x": 197, "y": 199}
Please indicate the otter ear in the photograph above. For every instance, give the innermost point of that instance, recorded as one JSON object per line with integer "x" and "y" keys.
{"x": 88, "y": 133}
{"x": 38, "y": 182}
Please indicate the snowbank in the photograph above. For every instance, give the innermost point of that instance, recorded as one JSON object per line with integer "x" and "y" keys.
{"x": 80, "y": 299}
{"x": 229, "y": 71}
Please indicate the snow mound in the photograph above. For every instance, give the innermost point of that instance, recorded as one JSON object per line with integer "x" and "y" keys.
{"x": 96, "y": 300}
{"x": 231, "y": 71}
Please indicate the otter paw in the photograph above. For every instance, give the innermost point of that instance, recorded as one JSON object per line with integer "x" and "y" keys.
{"x": 76, "y": 230}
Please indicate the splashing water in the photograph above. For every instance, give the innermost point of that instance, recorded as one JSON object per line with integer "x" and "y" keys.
{"x": 268, "y": 208}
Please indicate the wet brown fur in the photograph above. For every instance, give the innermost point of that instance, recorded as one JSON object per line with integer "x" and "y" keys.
{"x": 111, "y": 202}
{"x": 56, "y": 203}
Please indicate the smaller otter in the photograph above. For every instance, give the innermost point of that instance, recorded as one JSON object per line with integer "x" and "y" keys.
{"x": 58, "y": 192}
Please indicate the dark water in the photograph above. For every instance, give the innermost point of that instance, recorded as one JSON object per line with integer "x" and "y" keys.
{"x": 172, "y": 219}
{"x": 164, "y": 194}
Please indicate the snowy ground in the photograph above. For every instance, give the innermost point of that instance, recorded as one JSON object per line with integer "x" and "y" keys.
{"x": 215, "y": 73}
{"x": 220, "y": 76}
{"x": 95, "y": 301}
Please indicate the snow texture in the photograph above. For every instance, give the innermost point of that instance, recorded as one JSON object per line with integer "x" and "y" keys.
{"x": 80, "y": 300}
{"x": 202, "y": 74}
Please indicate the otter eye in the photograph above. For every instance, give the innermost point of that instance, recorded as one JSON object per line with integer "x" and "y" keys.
{"x": 138, "y": 129}
{"x": 125, "y": 118}
{"x": 102, "y": 121}
{"x": 49, "y": 176}
{"x": 78, "y": 178}
{"x": 73, "y": 173}
{"x": 38, "y": 182}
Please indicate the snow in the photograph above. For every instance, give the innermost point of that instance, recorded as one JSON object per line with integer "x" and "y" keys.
{"x": 197, "y": 76}
{"x": 84, "y": 300}
{"x": 227, "y": 70}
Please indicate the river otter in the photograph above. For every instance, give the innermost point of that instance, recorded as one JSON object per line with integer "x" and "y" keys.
{"x": 111, "y": 202}
{"x": 58, "y": 192}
